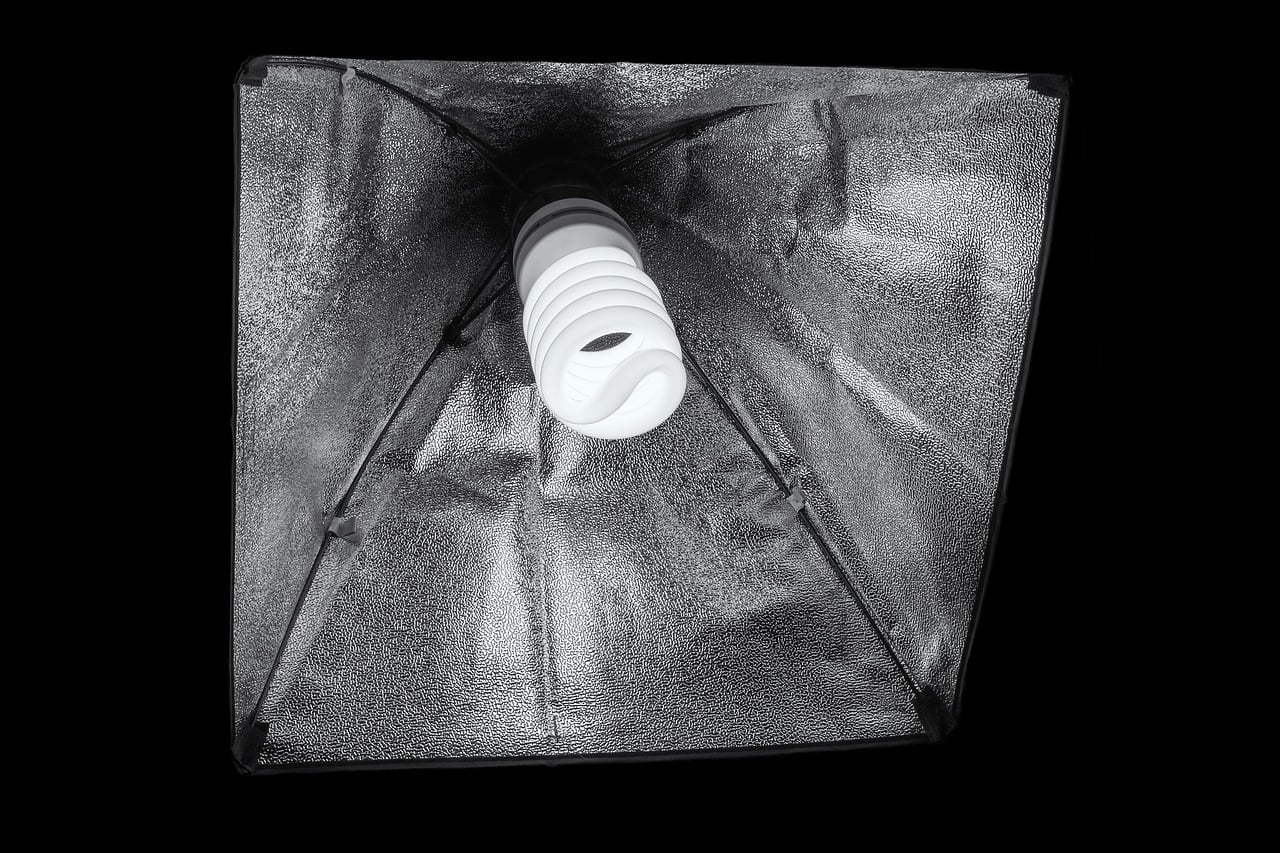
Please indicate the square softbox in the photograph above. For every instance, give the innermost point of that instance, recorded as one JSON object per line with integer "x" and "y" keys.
{"x": 430, "y": 568}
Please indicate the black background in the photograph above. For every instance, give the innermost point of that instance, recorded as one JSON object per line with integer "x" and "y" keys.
{"x": 1036, "y": 678}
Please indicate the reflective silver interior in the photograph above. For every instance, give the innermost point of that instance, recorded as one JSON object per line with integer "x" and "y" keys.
{"x": 852, "y": 260}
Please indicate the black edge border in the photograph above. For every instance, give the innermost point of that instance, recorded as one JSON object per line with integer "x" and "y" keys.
{"x": 306, "y": 767}
{"x": 1006, "y": 465}
{"x": 236, "y": 83}
{"x": 997, "y": 517}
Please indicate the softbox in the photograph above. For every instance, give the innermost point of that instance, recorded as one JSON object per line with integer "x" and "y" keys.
{"x": 432, "y": 567}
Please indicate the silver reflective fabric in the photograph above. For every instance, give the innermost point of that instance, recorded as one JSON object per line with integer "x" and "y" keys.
{"x": 851, "y": 258}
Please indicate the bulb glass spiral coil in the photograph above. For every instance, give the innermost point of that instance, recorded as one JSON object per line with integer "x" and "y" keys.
{"x": 578, "y": 272}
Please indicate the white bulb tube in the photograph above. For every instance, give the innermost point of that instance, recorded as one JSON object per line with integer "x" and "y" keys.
{"x": 578, "y": 271}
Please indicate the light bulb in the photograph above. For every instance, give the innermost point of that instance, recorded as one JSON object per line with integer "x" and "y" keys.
{"x": 579, "y": 274}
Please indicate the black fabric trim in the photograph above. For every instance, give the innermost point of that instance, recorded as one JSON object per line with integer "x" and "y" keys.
{"x": 345, "y": 528}
{"x": 1052, "y": 85}
{"x": 253, "y": 72}
{"x": 235, "y": 398}
{"x": 248, "y": 745}
{"x": 589, "y": 758}
{"x": 1062, "y": 90}
{"x": 934, "y": 714}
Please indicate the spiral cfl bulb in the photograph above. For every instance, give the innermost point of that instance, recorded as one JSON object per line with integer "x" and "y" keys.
{"x": 579, "y": 274}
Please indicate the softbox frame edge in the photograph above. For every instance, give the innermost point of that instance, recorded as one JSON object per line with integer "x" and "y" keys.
{"x": 245, "y": 759}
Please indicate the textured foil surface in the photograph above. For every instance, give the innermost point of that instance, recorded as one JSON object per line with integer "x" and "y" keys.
{"x": 851, "y": 259}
